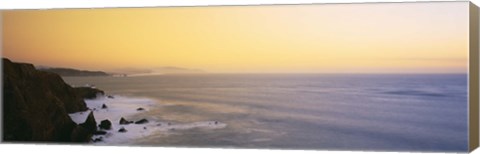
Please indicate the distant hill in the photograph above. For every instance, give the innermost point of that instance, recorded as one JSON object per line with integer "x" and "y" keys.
{"x": 156, "y": 71}
{"x": 176, "y": 70}
{"x": 73, "y": 72}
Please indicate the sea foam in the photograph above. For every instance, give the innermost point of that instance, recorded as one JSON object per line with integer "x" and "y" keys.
{"x": 126, "y": 107}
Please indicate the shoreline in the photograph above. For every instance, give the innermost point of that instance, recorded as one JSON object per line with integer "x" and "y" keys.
{"x": 119, "y": 107}
{"x": 41, "y": 106}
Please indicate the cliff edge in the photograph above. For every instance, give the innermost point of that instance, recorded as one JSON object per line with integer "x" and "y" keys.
{"x": 36, "y": 105}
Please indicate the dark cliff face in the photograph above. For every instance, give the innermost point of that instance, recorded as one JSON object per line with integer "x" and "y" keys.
{"x": 36, "y": 105}
{"x": 88, "y": 92}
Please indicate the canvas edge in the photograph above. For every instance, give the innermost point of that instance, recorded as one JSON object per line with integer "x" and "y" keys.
{"x": 232, "y": 5}
{"x": 473, "y": 76}
{"x": 1, "y": 74}
{"x": 473, "y": 72}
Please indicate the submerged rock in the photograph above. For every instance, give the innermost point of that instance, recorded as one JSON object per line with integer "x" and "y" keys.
{"x": 124, "y": 122}
{"x": 140, "y": 109}
{"x": 122, "y": 130}
{"x": 142, "y": 121}
{"x": 105, "y": 124}
{"x": 110, "y": 96}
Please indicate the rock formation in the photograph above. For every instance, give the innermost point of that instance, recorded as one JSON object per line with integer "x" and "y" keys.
{"x": 36, "y": 106}
{"x": 88, "y": 92}
{"x": 85, "y": 131}
{"x": 124, "y": 122}
{"x": 105, "y": 124}
{"x": 142, "y": 121}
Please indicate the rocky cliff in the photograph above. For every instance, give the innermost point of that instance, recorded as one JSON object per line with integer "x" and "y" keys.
{"x": 88, "y": 92}
{"x": 36, "y": 106}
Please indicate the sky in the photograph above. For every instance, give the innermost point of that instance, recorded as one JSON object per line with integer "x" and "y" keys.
{"x": 326, "y": 38}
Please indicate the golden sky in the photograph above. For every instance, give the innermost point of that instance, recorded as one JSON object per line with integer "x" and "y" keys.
{"x": 329, "y": 38}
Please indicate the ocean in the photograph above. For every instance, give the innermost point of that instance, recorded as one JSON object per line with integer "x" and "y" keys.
{"x": 380, "y": 112}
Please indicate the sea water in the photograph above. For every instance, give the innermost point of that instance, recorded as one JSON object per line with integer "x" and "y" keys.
{"x": 401, "y": 112}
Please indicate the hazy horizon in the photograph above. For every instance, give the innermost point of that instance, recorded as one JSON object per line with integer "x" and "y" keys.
{"x": 372, "y": 38}
{"x": 149, "y": 72}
